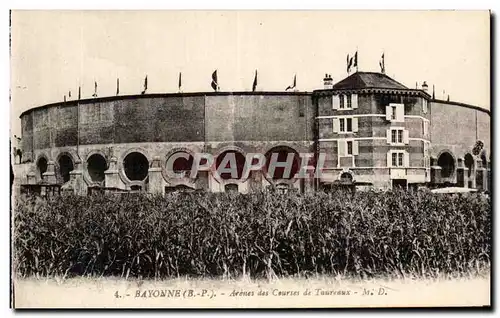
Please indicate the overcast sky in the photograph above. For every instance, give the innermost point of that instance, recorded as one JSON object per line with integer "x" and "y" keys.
{"x": 55, "y": 52}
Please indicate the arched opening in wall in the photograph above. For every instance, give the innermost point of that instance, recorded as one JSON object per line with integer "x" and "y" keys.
{"x": 96, "y": 165}
{"x": 65, "y": 167}
{"x": 447, "y": 164}
{"x": 281, "y": 172}
{"x": 19, "y": 156}
{"x": 346, "y": 178}
{"x": 180, "y": 164}
{"x": 231, "y": 157}
{"x": 136, "y": 166}
{"x": 41, "y": 167}
{"x": 231, "y": 188}
{"x": 282, "y": 188}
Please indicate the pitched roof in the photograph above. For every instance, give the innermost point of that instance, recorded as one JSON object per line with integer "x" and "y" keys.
{"x": 360, "y": 80}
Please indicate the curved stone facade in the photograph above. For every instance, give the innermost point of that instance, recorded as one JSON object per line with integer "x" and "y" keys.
{"x": 368, "y": 126}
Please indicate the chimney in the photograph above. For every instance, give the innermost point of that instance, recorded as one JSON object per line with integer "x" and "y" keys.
{"x": 425, "y": 87}
{"x": 328, "y": 81}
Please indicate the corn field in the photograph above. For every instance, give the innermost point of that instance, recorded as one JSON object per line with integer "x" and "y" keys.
{"x": 260, "y": 234}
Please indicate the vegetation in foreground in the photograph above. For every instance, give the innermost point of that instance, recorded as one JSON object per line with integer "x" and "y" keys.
{"x": 258, "y": 235}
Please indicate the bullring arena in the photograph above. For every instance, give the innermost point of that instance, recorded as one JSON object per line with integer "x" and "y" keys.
{"x": 375, "y": 132}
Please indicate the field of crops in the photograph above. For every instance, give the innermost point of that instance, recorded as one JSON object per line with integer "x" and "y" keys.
{"x": 259, "y": 235}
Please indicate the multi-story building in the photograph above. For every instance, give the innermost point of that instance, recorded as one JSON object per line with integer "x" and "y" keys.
{"x": 374, "y": 131}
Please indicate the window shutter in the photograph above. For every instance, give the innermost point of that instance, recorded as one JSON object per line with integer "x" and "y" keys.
{"x": 389, "y": 159}
{"x": 336, "y": 125}
{"x": 355, "y": 148}
{"x": 341, "y": 147}
{"x": 406, "y": 137}
{"x": 354, "y": 101}
{"x": 335, "y": 102}
{"x": 406, "y": 159}
{"x": 400, "y": 113}
{"x": 388, "y": 136}
{"x": 388, "y": 112}
{"x": 355, "y": 124}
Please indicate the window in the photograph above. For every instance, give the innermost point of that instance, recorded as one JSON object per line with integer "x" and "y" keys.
{"x": 395, "y": 112}
{"x": 397, "y": 136}
{"x": 349, "y": 148}
{"x": 347, "y": 125}
{"x": 397, "y": 159}
{"x": 345, "y": 101}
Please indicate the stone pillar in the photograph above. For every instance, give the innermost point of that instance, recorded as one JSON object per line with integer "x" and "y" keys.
{"x": 480, "y": 176}
{"x": 112, "y": 179}
{"x": 76, "y": 179}
{"x": 49, "y": 176}
{"x": 436, "y": 174}
{"x": 155, "y": 177}
{"x": 461, "y": 182}
{"x": 31, "y": 178}
{"x": 255, "y": 181}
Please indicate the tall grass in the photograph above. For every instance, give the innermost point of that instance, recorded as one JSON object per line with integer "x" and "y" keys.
{"x": 259, "y": 234}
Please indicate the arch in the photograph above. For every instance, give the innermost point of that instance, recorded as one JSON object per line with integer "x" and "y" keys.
{"x": 96, "y": 166}
{"x": 346, "y": 177}
{"x": 65, "y": 165}
{"x": 136, "y": 166}
{"x": 239, "y": 156}
{"x": 41, "y": 166}
{"x": 231, "y": 188}
{"x": 447, "y": 163}
{"x": 279, "y": 173}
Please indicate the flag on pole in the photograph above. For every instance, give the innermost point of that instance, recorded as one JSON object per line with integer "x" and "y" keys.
{"x": 180, "y": 81}
{"x": 433, "y": 93}
{"x": 145, "y": 85}
{"x": 69, "y": 94}
{"x": 294, "y": 83}
{"x": 254, "y": 85}
{"x": 79, "y": 92}
{"x": 349, "y": 63}
{"x": 64, "y": 97}
{"x": 215, "y": 83}
{"x": 355, "y": 63}
{"x": 95, "y": 89}
{"x": 117, "y": 86}
{"x": 382, "y": 64}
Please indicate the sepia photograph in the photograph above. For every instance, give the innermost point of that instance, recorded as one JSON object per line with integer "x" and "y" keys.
{"x": 250, "y": 159}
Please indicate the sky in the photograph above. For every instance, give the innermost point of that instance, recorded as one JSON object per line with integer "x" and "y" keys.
{"x": 54, "y": 52}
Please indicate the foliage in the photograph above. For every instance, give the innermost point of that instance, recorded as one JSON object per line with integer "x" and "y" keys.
{"x": 258, "y": 234}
